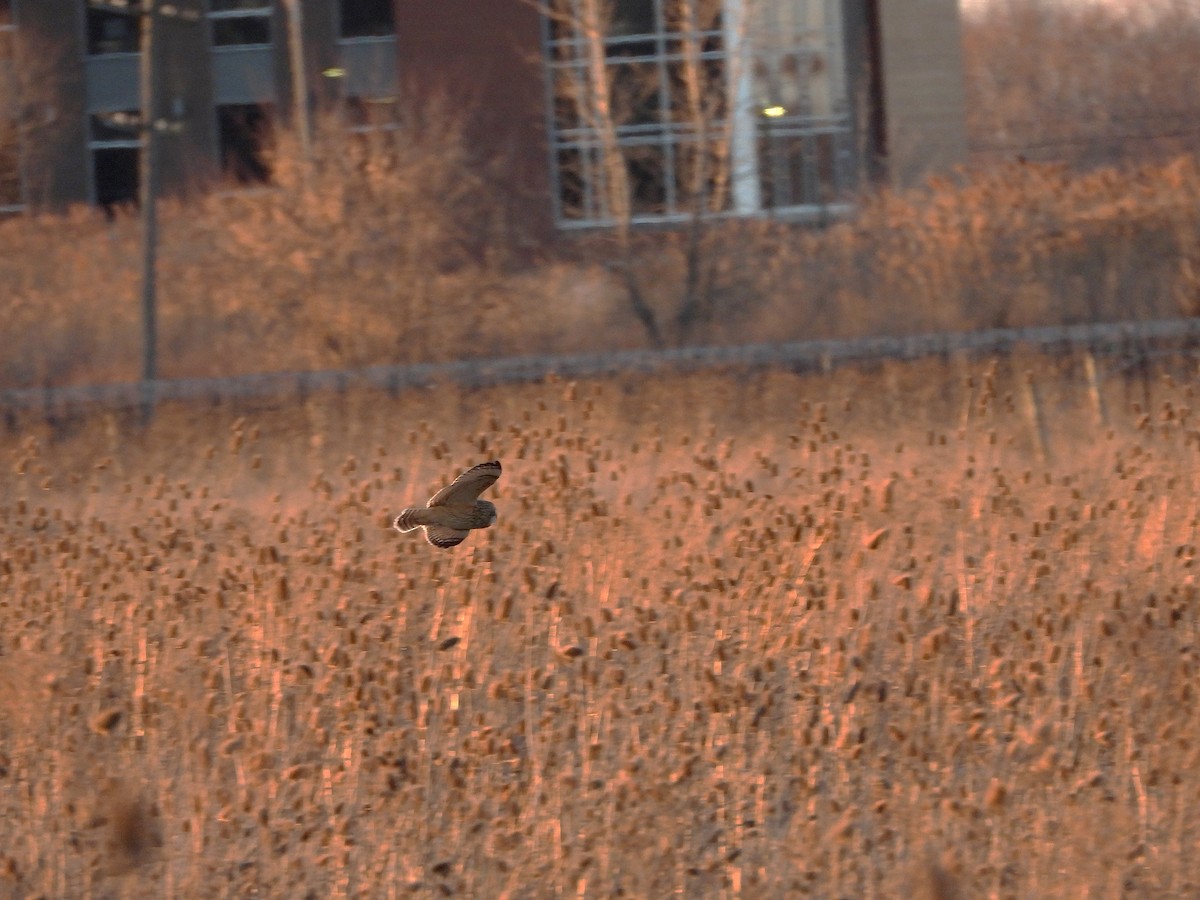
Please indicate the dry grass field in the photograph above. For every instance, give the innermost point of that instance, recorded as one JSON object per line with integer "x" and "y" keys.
{"x": 768, "y": 635}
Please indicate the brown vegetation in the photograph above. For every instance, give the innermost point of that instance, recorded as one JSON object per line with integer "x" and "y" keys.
{"x": 768, "y": 636}
{"x": 366, "y": 267}
{"x": 1085, "y": 83}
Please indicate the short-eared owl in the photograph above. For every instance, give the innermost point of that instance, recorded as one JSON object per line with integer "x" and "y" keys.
{"x": 454, "y": 510}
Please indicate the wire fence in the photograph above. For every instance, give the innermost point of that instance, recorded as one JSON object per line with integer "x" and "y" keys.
{"x": 1123, "y": 344}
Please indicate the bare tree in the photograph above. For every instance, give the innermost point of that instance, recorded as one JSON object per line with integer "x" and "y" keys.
{"x": 605, "y": 85}
{"x": 590, "y": 93}
{"x": 686, "y": 111}
{"x": 705, "y": 103}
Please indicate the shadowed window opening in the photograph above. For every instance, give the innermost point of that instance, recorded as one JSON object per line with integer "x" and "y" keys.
{"x": 245, "y": 130}
{"x": 111, "y": 32}
{"x": 237, "y": 23}
{"x": 116, "y": 173}
{"x": 367, "y": 18}
{"x": 114, "y": 141}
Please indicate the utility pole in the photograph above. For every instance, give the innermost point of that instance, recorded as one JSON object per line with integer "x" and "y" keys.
{"x": 148, "y": 127}
{"x": 147, "y": 195}
{"x": 299, "y": 80}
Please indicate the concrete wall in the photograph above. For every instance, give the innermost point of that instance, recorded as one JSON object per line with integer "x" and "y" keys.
{"x": 921, "y": 86}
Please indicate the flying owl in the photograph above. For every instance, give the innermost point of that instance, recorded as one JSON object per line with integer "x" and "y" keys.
{"x": 453, "y": 511}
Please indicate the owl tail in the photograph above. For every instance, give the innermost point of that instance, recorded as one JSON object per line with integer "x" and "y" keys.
{"x": 410, "y": 519}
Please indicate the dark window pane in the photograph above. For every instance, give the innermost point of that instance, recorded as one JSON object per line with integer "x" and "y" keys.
{"x": 367, "y": 18}
{"x": 571, "y": 184}
{"x": 646, "y": 182}
{"x": 241, "y": 30}
{"x": 797, "y": 169}
{"x": 110, "y": 32}
{"x": 116, "y": 173}
{"x": 625, "y": 47}
{"x": 228, "y": 5}
{"x": 245, "y": 130}
{"x": 635, "y": 93}
{"x": 633, "y": 17}
{"x": 712, "y": 90}
{"x": 568, "y": 106}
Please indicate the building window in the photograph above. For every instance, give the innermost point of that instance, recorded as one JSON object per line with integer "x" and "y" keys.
{"x": 240, "y": 23}
{"x": 244, "y": 130}
{"x": 114, "y": 143}
{"x": 663, "y": 109}
{"x": 112, "y": 32}
{"x": 366, "y": 18}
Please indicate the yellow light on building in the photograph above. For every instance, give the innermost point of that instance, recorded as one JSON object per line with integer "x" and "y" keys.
{"x": 773, "y": 112}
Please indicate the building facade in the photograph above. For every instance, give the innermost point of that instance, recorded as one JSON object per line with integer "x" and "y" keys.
{"x": 640, "y": 111}
{"x": 223, "y": 75}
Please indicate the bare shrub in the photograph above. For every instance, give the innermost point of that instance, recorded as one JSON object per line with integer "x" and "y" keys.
{"x": 1014, "y": 245}
{"x": 1084, "y": 83}
{"x": 385, "y": 247}
{"x": 347, "y": 270}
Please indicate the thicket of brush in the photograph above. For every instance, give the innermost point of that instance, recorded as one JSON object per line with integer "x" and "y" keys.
{"x": 397, "y": 247}
{"x": 768, "y": 636}
{"x": 1087, "y": 83}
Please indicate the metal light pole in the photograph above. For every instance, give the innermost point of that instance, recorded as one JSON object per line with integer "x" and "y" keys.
{"x": 147, "y": 193}
{"x": 299, "y": 80}
{"x": 147, "y": 12}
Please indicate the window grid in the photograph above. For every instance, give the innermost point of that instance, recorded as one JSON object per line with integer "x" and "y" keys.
{"x": 802, "y": 156}
{"x": 240, "y": 23}
{"x": 110, "y": 32}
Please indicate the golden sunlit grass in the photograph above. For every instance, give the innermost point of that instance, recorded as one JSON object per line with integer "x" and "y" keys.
{"x": 757, "y": 636}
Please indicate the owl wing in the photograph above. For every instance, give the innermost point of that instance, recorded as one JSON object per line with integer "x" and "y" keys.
{"x": 466, "y": 488}
{"x": 444, "y": 536}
